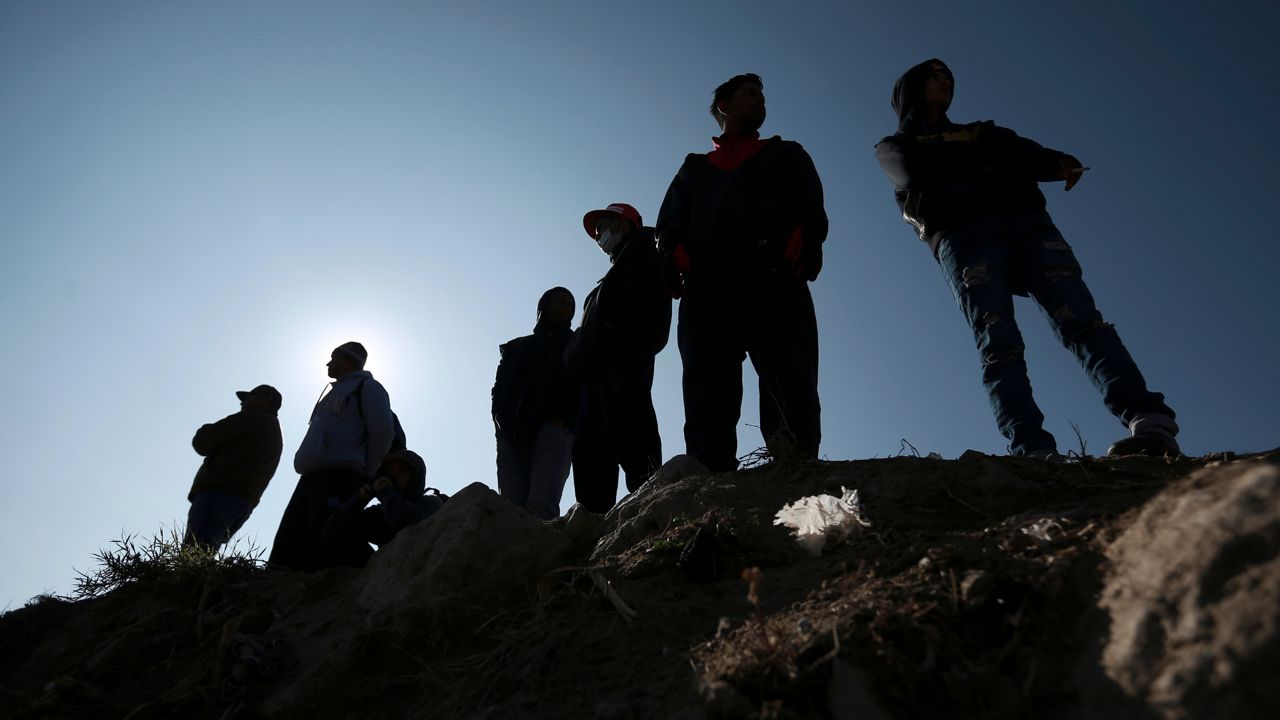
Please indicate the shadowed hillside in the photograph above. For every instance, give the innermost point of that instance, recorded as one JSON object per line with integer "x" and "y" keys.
{"x": 983, "y": 588}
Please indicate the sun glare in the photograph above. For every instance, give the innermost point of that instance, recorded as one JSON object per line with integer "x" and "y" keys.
{"x": 395, "y": 359}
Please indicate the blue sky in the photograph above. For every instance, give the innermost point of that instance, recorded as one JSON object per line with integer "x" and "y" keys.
{"x": 199, "y": 197}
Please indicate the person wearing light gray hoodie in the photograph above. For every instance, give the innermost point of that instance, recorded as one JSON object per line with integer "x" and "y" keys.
{"x": 351, "y": 431}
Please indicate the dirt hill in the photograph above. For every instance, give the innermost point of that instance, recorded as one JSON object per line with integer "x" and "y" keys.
{"x": 984, "y": 588}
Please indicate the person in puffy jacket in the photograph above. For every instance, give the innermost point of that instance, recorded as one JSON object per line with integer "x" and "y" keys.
{"x": 626, "y": 319}
{"x": 971, "y": 192}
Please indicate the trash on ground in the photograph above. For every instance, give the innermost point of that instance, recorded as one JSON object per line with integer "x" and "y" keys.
{"x": 817, "y": 519}
{"x": 1045, "y": 530}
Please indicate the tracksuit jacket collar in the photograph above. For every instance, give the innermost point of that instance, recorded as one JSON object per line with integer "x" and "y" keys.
{"x": 733, "y": 150}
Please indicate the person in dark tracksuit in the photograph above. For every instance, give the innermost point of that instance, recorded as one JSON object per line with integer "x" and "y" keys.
{"x": 740, "y": 236}
{"x": 971, "y": 193}
{"x": 535, "y": 407}
{"x": 625, "y": 323}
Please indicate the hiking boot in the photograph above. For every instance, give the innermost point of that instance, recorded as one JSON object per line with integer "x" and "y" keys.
{"x": 1152, "y": 435}
{"x": 1149, "y": 446}
{"x": 1047, "y": 455}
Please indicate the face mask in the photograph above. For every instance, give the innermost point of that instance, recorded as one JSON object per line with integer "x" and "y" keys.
{"x": 609, "y": 241}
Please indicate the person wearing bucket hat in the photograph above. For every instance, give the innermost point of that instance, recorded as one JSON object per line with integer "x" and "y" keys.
{"x": 241, "y": 453}
{"x": 971, "y": 192}
{"x": 740, "y": 236}
{"x": 626, "y": 320}
{"x": 351, "y": 430}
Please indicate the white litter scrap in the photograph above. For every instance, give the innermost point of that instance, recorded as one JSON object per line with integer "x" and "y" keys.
{"x": 1045, "y": 530}
{"x": 817, "y": 519}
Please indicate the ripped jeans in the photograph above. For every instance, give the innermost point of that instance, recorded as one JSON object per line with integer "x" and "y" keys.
{"x": 986, "y": 263}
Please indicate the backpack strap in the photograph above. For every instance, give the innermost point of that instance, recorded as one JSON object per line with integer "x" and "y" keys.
{"x": 358, "y": 393}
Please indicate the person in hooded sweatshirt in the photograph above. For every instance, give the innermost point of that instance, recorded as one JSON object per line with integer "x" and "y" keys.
{"x": 740, "y": 236}
{"x": 351, "y": 431}
{"x": 535, "y": 405}
{"x": 626, "y": 319}
{"x": 971, "y": 193}
{"x": 400, "y": 488}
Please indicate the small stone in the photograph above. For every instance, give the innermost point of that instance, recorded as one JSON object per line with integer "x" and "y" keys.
{"x": 723, "y": 700}
{"x": 975, "y": 588}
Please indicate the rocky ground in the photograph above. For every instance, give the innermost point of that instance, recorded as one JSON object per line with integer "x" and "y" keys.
{"x": 984, "y": 588}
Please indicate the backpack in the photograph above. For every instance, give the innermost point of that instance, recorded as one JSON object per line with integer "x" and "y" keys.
{"x": 398, "y": 440}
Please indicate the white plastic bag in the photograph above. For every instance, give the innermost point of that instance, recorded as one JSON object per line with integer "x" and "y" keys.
{"x": 817, "y": 519}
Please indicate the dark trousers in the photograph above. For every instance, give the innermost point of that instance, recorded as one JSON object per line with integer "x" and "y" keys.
{"x": 300, "y": 543}
{"x": 771, "y": 320}
{"x": 617, "y": 426}
{"x": 986, "y": 263}
{"x": 214, "y": 517}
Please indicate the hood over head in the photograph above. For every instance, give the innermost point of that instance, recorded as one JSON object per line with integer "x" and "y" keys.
{"x": 414, "y": 461}
{"x": 545, "y": 322}
{"x": 908, "y": 92}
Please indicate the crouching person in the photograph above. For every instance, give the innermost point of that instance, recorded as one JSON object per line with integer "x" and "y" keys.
{"x": 400, "y": 488}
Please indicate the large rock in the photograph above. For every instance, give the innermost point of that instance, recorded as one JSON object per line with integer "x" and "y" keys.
{"x": 479, "y": 552}
{"x": 423, "y": 594}
{"x": 1194, "y": 597}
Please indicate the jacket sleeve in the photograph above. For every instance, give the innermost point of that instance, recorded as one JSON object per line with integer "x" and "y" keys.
{"x": 398, "y": 511}
{"x": 216, "y": 436}
{"x": 660, "y": 304}
{"x": 905, "y": 176}
{"x": 672, "y": 228}
{"x": 893, "y": 162}
{"x": 378, "y": 423}
{"x": 502, "y": 388}
{"x": 578, "y": 351}
{"x": 813, "y": 212}
{"x": 1028, "y": 157}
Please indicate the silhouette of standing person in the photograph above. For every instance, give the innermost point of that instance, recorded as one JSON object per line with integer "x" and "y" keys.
{"x": 351, "y": 430}
{"x": 535, "y": 404}
{"x": 740, "y": 235}
{"x": 241, "y": 453}
{"x": 626, "y": 319}
{"x": 971, "y": 193}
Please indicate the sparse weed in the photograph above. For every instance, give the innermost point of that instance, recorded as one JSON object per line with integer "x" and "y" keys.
{"x": 1084, "y": 448}
{"x": 756, "y": 458}
{"x": 764, "y": 644}
{"x": 681, "y": 518}
{"x": 663, "y": 545}
{"x": 161, "y": 558}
